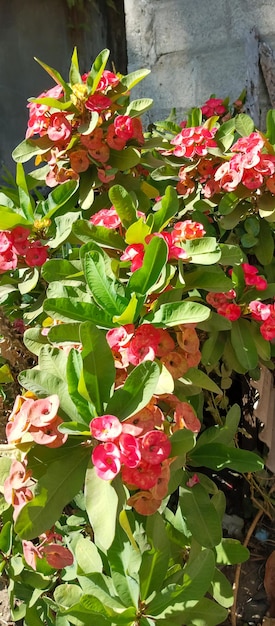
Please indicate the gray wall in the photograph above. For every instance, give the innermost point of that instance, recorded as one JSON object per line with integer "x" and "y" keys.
{"x": 47, "y": 29}
{"x": 196, "y": 48}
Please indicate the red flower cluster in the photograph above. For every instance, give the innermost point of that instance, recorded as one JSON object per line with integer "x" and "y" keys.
{"x": 222, "y": 302}
{"x": 16, "y": 243}
{"x": 252, "y": 278}
{"x": 139, "y": 455}
{"x": 213, "y": 106}
{"x": 38, "y": 418}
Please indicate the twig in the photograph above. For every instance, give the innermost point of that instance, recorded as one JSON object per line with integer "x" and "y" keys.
{"x": 239, "y": 567}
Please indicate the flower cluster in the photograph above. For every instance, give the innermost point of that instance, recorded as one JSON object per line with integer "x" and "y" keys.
{"x": 56, "y": 555}
{"x": 16, "y": 246}
{"x": 133, "y": 346}
{"x": 181, "y": 232}
{"x": 224, "y": 305}
{"x": 139, "y": 453}
{"x": 264, "y": 313}
{"x": 213, "y": 106}
{"x": 37, "y": 418}
{"x": 83, "y": 134}
{"x": 17, "y": 486}
{"x": 193, "y": 142}
{"x": 248, "y": 166}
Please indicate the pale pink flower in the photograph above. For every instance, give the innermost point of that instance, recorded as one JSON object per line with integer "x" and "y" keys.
{"x": 42, "y": 412}
{"x": 31, "y": 553}
{"x": 106, "y": 428}
{"x": 107, "y": 218}
{"x": 59, "y": 128}
{"x": 129, "y": 448}
{"x": 194, "y": 480}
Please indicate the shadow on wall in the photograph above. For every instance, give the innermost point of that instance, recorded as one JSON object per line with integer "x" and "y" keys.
{"x": 49, "y": 30}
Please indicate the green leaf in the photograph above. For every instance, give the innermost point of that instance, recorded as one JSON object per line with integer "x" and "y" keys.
{"x": 201, "y": 516}
{"x": 204, "y": 613}
{"x": 63, "y": 227}
{"x": 70, "y": 309}
{"x": 55, "y": 76}
{"x": 244, "y": 124}
{"x": 221, "y": 589}
{"x": 213, "y": 349}
{"x": 123, "y": 204}
{"x": 182, "y": 441}
{"x": 125, "y": 560}
{"x": 28, "y": 148}
{"x": 49, "y": 377}
{"x": 264, "y": 249}
{"x": 154, "y": 261}
{"x": 62, "y": 196}
{"x": 204, "y": 251}
{"x": 217, "y": 456}
{"x": 6, "y": 538}
{"x": 243, "y": 344}
{"x": 174, "y": 313}
{"x": 124, "y": 159}
{"x": 25, "y": 201}
{"x": 169, "y": 208}
{"x": 228, "y": 203}
{"x": 270, "y": 126}
{"x": 137, "y": 391}
{"x": 230, "y": 552}
{"x": 85, "y": 407}
{"x": 61, "y": 269}
{"x": 130, "y": 80}
{"x": 98, "y": 375}
{"x": 173, "y": 598}
{"x": 155, "y": 560}
{"x": 10, "y": 219}
{"x": 87, "y": 556}
{"x": 103, "y": 289}
{"x": 222, "y": 434}
{"x": 34, "y": 340}
{"x": 209, "y": 279}
{"x": 138, "y": 107}
{"x": 101, "y": 502}
{"x": 97, "y": 69}
{"x": 200, "y": 379}
{"x": 28, "y": 279}
{"x": 214, "y": 323}
{"x": 5, "y": 375}
{"x": 230, "y": 255}
{"x": 85, "y": 231}
{"x": 56, "y": 488}
{"x": 75, "y": 76}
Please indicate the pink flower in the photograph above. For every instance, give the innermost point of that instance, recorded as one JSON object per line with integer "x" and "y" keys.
{"x": 106, "y": 459}
{"x": 106, "y": 217}
{"x": 135, "y": 254}
{"x": 194, "y": 480}
{"x": 129, "y": 447}
{"x": 267, "y": 329}
{"x": 118, "y": 338}
{"x": 155, "y": 447}
{"x": 259, "y": 310}
{"x": 42, "y": 412}
{"x": 106, "y": 427}
{"x": 49, "y": 435}
{"x": 144, "y": 344}
{"x": 187, "y": 230}
{"x": 230, "y": 310}
{"x": 98, "y": 102}
{"x": 213, "y": 106}
{"x": 144, "y": 476}
{"x": 19, "y": 238}
{"x": 36, "y": 254}
{"x": 8, "y": 260}
{"x": 59, "y": 128}
{"x": 31, "y": 553}
{"x": 108, "y": 79}
{"x": 123, "y": 125}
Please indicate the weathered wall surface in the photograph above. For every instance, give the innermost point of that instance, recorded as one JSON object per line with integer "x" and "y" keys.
{"x": 47, "y": 29}
{"x": 197, "y": 48}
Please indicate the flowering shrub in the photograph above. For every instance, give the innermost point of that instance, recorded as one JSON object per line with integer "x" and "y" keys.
{"x": 149, "y": 283}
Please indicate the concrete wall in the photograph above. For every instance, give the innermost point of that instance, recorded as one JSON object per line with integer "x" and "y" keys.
{"x": 196, "y": 48}
{"x": 49, "y": 30}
